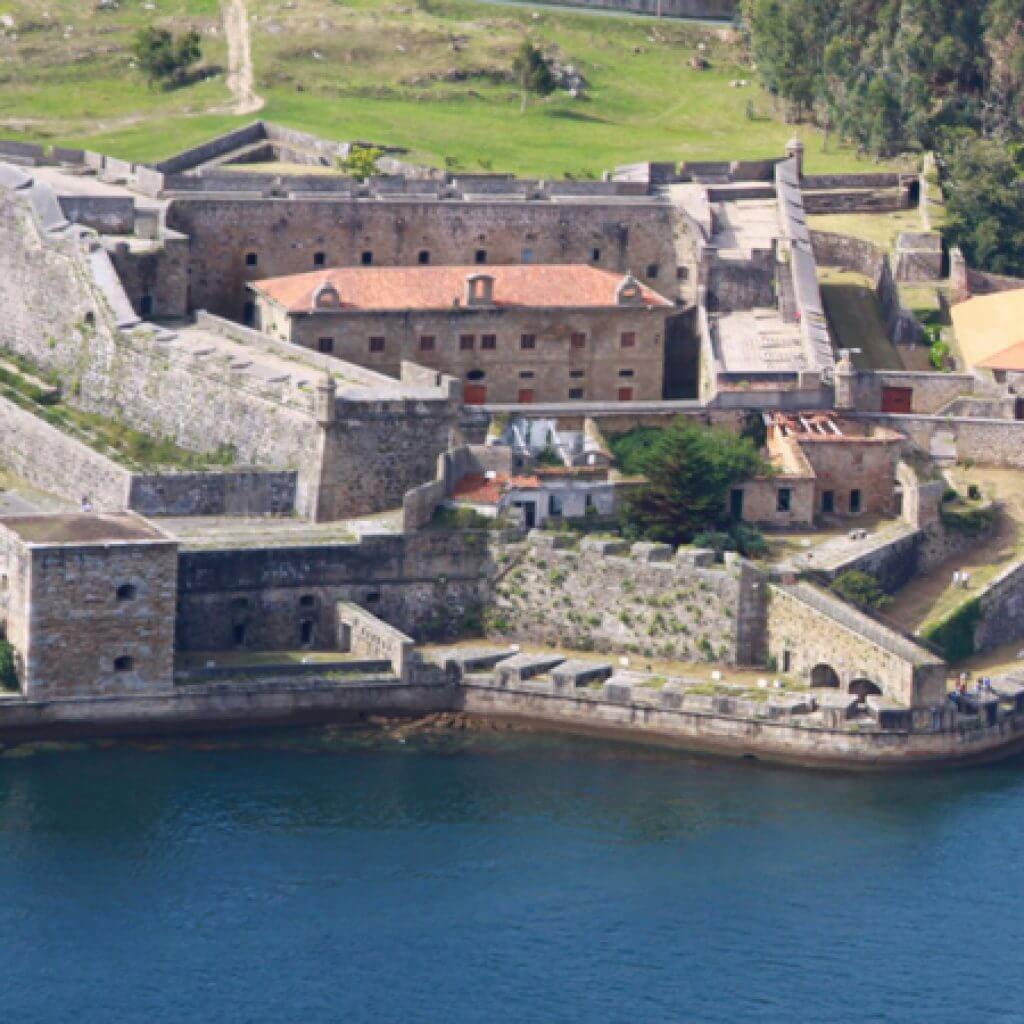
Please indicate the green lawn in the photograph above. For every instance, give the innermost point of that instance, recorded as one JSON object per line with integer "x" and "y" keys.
{"x": 880, "y": 229}
{"x": 855, "y": 316}
{"x": 428, "y": 75}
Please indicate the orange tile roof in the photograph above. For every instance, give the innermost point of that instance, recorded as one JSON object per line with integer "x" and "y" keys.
{"x": 482, "y": 490}
{"x": 401, "y": 288}
{"x": 1011, "y": 358}
{"x": 990, "y": 330}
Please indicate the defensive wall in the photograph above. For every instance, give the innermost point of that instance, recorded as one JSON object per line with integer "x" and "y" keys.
{"x": 987, "y": 442}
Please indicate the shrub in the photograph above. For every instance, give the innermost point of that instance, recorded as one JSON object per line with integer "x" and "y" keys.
{"x": 860, "y": 589}
{"x": 955, "y": 634}
{"x": 8, "y": 667}
{"x": 164, "y": 57}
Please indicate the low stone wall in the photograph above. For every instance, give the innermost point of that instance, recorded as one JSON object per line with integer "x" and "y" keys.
{"x": 1001, "y": 618}
{"x": 365, "y": 635}
{"x": 985, "y": 442}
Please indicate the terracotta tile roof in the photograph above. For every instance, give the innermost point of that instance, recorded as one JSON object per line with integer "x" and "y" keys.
{"x": 401, "y": 288}
{"x": 477, "y": 489}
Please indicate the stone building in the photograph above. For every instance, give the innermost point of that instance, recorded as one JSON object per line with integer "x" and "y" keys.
{"x": 514, "y": 334}
{"x": 823, "y": 466}
{"x": 88, "y": 603}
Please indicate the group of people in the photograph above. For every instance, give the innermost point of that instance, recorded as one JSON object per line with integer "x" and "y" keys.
{"x": 961, "y": 579}
{"x": 984, "y": 685}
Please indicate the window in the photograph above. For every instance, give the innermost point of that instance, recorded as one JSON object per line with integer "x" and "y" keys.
{"x": 238, "y": 634}
{"x": 784, "y": 499}
{"x": 126, "y": 592}
{"x": 319, "y": 259}
{"x": 307, "y": 629}
{"x": 307, "y": 601}
{"x": 124, "y": 663}
{"x": 325, "y": 344}
{"x": 423, "y": 257}
{"x": 489, "y": 341}
{"x": 475, "y": 375}
{"x": 146, "y": 305}
{"x": 527, "y": 256}
{"x": 625, "y": 394}
{"x": 240, "y": 604}
{"x": 90, "y": 318}
{"x": 426, "y": 343}
{"x": 525, "y": 396}
{"x": 682, "y": 273}
{"x": 480, "y": 256}
{"x": 377, "y": 344}
{"x": 554, "y": 505}
{"x": 575, "y": 393}
{"x": 372, "y": 597}
{"x": 854, "y": 502}
{"x": 627, "y": 339}
{"x": 527, "y": 341}
{"x": 828, "y": 502}
{"x": 251, "y": 259}
{"x": 526, "y": 374}
{"x": 249, "y": 314}
{"x": 578, "y": 339}
{"x": 577, "y": 374}
{"x": 787, "y": 661}
{"x": 652, "y": 270}
{"x": 467, "y": 342}
{"x": 736, "y": 503}
{"x": 595, "y": 255}
{"x": 366, "y": 258}
{"x": 627, "y": 373}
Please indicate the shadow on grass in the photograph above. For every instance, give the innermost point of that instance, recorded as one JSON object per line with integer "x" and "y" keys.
{"x": 576, "y": 115}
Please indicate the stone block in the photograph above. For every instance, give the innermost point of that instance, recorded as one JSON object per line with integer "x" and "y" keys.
{"x": 550, "y": 541}
{"x": 464, "y": 662}
{"x": 699, "y": 558}
{"x": 571, "y": 674}
{"x": 604, "y": 546}
{"x": 521, "y": 667}
{"x": 645, "y": 551}
{"x": 618, "y": 691}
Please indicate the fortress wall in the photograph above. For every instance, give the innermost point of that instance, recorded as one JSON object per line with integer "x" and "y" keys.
{"x": 724, "y": 9}
{"x": 284, "y": 234}
{"x": 162, "y": 274}
{"x": 425, "y": 585}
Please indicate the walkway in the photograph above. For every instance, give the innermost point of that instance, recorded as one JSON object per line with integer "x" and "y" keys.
{"x": 240, "y": 80}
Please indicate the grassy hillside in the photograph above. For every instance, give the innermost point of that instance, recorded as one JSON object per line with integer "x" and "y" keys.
{"x": 430, "y": 75}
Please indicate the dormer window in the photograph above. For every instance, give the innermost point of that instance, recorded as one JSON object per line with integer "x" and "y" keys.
{"x": 479, "y": 290}
{"x": 629, "y": 292}
{"x": 327, "y": 297}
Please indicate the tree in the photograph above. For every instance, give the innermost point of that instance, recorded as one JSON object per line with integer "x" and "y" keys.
{"x": 8, "y": 667}
{"x": 361, "y": 161}
{"x": 164, "y": 57}
{"x": 532, "y": 73}
{"x": 689, "y": 471}
{"x": 860, "y": 589}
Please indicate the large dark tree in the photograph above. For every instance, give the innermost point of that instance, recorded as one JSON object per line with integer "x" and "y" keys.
{"x": 164, "y": 57}
{"x": 689, "y": 470}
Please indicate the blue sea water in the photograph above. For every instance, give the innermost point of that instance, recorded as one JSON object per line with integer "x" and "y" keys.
{"x": 315, "y": 878}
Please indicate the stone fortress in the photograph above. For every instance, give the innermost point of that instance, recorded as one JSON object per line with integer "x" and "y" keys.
{"x": 334, "y": 365}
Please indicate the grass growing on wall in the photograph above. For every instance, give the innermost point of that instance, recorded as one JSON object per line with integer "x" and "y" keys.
{"x": 955, "y": 634}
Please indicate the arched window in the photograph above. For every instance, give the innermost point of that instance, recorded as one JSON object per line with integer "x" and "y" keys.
{"x": 124, "y": 663}
{"x": 475, "y": 375}
{"x": 127, "y": 592}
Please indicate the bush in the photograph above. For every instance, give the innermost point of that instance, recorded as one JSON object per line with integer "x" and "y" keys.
{"x": 361, "y": 161}
{"x": 860, "y": 589}
{"x": 8, "y": 668}
{"x": 974, "y": 492}
{"x": 970, "y": 521}
{"x": 164, "y": 57}
{"x": 955, "y": 634}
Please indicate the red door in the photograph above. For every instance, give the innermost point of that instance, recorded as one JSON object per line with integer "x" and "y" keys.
{"x": 474, "y": 394}
{"x": 897, "y": 400}
{"x": 525, "y": 396}
{"x": 625, "y": 394}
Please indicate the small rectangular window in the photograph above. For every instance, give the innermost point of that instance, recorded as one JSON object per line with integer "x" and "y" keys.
{"x": 526, "y": 375}
{"x": 319, "y": 259}
{"x": 854, "y": 501}
{"x": 595, "y": 255}
{"x": 575, "y": 393}
{"x": 527, "y": 255}
{"x": 366, "y": 258}
{"x": 578, "y": 339}
{"x": 682, "y": 273}
{"x": 251, "y": 259}
{"x": 426, "y": 343}
{"x": 652, "y": 270}
{"x": 325, "y": 344}
{"x": 377, "y": 344}
{"x": 527, "y": 341}
{"x": 627, "y": 373}
{"x": 627, "y": 339}
{"x": 488, "y": 341}
{"x": 467, "y": 342}
{"x": 480, "y": 256}
{"x": 577, "y": 374}
{"x": 784, "y": 499}
{"x": 423, "y": 257}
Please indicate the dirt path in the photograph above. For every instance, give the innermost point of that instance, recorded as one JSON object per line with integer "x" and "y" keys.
{"x": 240, "y": 78}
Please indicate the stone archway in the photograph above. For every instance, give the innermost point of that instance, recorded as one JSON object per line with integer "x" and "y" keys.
{"x": 863, "y": 688}
{"x": 824, "y": 675}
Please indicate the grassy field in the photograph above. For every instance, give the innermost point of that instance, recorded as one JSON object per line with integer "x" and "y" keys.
{"x": 879, "y": 228}
{"x": 429, "y": 75}
{"x": 855, "y": 315}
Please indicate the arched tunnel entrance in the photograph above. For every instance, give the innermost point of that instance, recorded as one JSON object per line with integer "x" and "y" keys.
{"x": 863, "y": 688}
{"x": 824, "y": 675}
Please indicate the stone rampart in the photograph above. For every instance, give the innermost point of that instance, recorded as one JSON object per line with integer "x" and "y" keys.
{"x": 363, "y": 634}
{"x": 600, "y": 597}
{"x": 250, "y": 493}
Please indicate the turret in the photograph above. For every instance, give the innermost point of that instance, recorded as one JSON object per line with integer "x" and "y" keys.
{"x": 845, "y": 382}
{"x": 323, "y": 405}
{"x": 795, "y": 151}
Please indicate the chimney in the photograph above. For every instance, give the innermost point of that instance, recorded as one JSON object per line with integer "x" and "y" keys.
{"x": 479, "y": 290}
